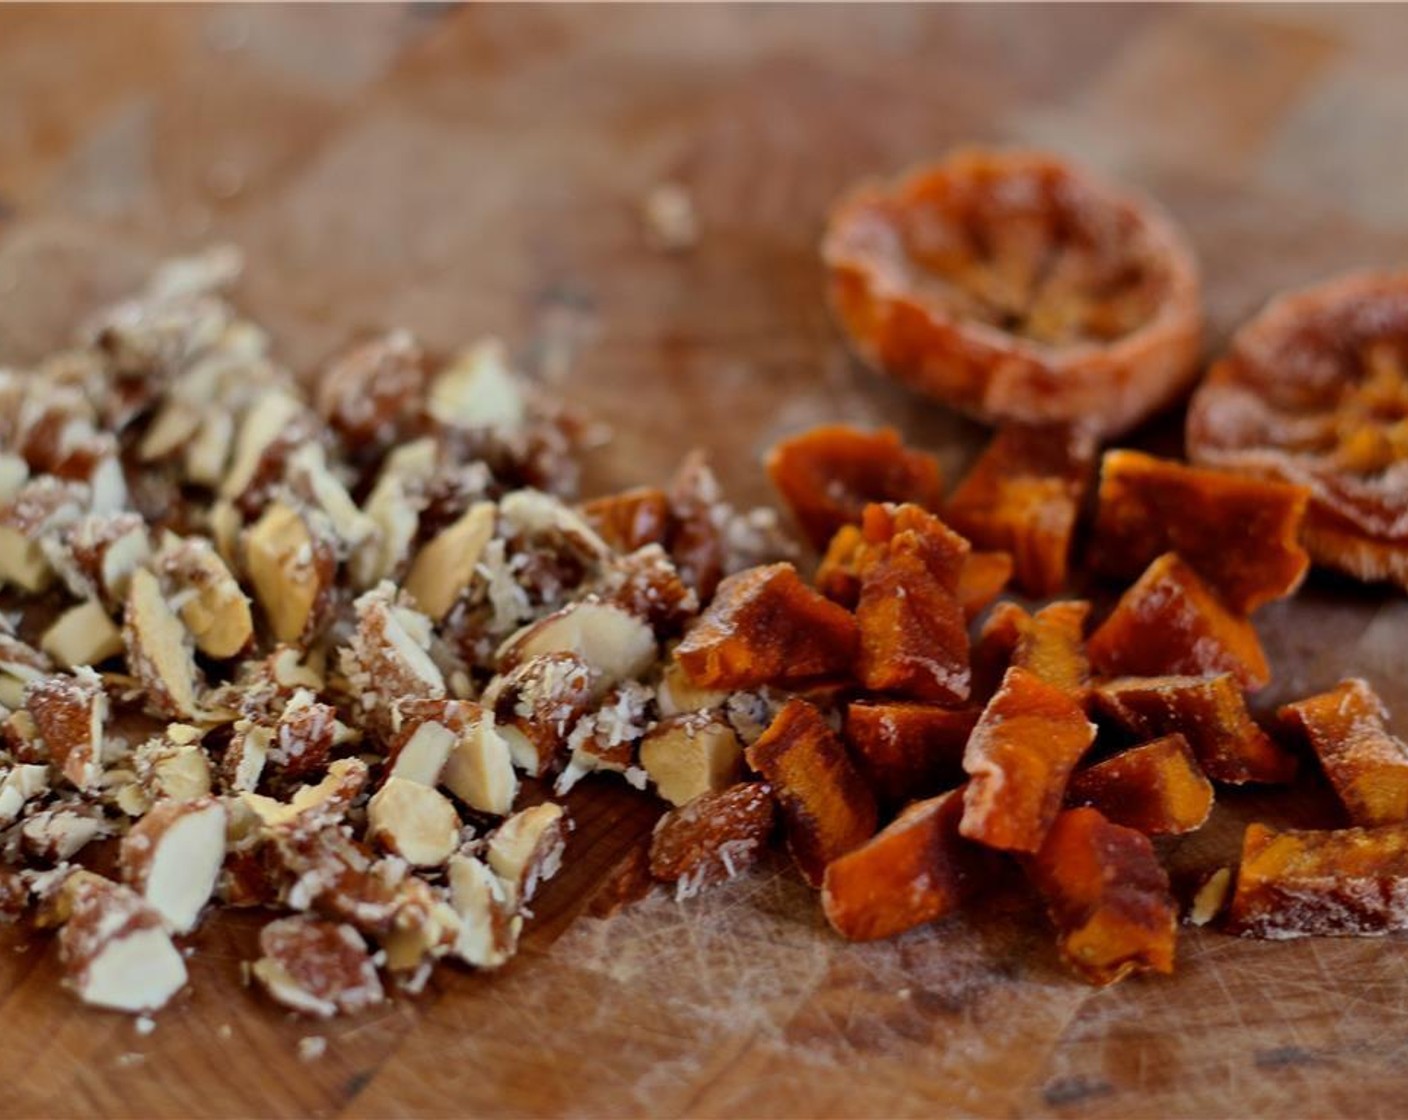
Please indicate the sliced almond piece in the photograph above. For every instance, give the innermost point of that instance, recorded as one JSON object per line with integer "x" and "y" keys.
{"x": 480, "y": 770}
{"x": 413, "y": 821}
{"x": 316, "y": 967}
{"x": 387, "y": 660}
{"x": 263, "y": 424}
{"x": 478, "y": 390}
{"x": 56, "y": 835}
{"x": 14, "y": 473}
{"x": 677, "y": 694}
{"x": 526, "y": 850}
{"x": 1211, "y": 897}
{"x": 22, "y": 561}
{"x": 489, "y": 926}
{"x": 316, "y": 805}
{"x": 692, "y": 754}
{"x": 444, "y": 568}
{"x": 173, "y": 766}
{"x": 70, "y": 713}
{"x": 82, "y": 635}
{"x": 172, "y": 857}
{"x": 394, "y": 505}
{"x": 292, "y": 569}
{"x": 159, "y": 651}
{"x": 246, "y": 756}
{"x": 421, "y": 751}
{"x": 309, "y": 476}
{"x": 537, "y": 703}
{"x": 533, "y": 513}
{"x": 115, "y": 952}
{"x": 19, "y": 785}
{"x": 616, "y": 644}
{"x": 214, "y": 609}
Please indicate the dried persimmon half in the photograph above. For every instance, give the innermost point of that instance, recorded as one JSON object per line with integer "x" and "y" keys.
{"x": 1015, "y": 286}
{"x": 1314, "y": 391}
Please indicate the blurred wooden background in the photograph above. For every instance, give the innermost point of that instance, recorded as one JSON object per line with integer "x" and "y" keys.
{"x": 463, "y": 170}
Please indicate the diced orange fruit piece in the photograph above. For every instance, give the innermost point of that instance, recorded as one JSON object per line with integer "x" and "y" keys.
{"x": 1210, "y": 712}
{"x": 1022, "y": 497}
{"x": 829, "y": 474}
{"x": 1322, "y": 884}
{"x": 1107, "y": 896}
{"x": 1367, "y": 766}
{"x": 827, "y": 808}
{"x": 1156, "y": 787}
{"x": 1170, "y": 622}
{"x": 1238, "y": 533}
{"x": 915, "y": 871}
{"x": 984, "y": 577}
{"x": 1049, "y": 643}
{"x": 631, "y": 519}
{"x": 1020, "y": 756}
{"x": 765, "y": 626}
{"x": 908, "y": 751}
{"x": 913, "y": 635}
{"x": 838, "y": 574}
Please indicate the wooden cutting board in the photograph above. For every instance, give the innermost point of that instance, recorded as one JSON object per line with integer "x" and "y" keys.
{"x": 462, "y": 171}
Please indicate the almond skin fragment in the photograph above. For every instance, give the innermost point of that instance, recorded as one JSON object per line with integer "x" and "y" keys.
{"x": 914, "y": 871}
{"x": 1156, "y": 788}
{"x": 829, "y": 474}
{"x": 1210, "y": 712}
{"x": 1367, "y": 766}
{"x": 1019, "y": 757}
{"x": 713, "y": 838}
{"x": 827, "y": 808}
{"x": 690, "y": 755}
{"x": 765, "y": 626}
{"x": 1239, "y": 533}
{"x": 172, "y": 857}
{"x": 1170, "y": 622}
{"x": 1107, "y": 896}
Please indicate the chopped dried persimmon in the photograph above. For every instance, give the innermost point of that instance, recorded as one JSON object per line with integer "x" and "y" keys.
{"x": 765, "y": 626}
{"x": 1171, "y": 622}
{"x": 1337, "y": 883}
{"x": 827, "y": 807}
{"x": 1107, "y": 896}
{"x": 913, "y": 634}
{"x": 907, "y": 751}
{"x": 1238, "y": 533}
{"x": 1049, "y": 643}
{"x": 631, "y": 519}
{"x": 1367, "y": 766}
{"x": 1314, "y": 391}
{"x": 1015, "y": 286}
{"x": 1019, "y": 758}
{"x": 838, "y": 574}
{"x": 1210, "y": 712}
{"x": 984, "y": 577}
{"x": 829, "y": 474}
{"x": 915, "y": 871}
{"x": 1022, "y": 497}
{"x": 1156, "y": 787}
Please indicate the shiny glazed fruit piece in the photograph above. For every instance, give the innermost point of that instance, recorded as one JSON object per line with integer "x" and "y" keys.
{"x": 1240, "y": 534}
{"x": 1156, "y": 788}
{"x": 907, "y": 750}
{"x": 1049, "y": 643}
{"x": 1171, "y": 622}
{"x": 1023, "y": 496}
{"x": 1367, "y": 766}
{"x": 1107, "y": 896}
{"x": 1016, "y": 287}
{"x": 1313, "y": 391}
{"x": 828, "y": 475}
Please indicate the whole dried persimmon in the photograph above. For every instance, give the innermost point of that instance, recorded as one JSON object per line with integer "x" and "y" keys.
{"x": 829, "y": 474}
{"x": 1314, "y": 391}
{"x": 1017, "y": 287}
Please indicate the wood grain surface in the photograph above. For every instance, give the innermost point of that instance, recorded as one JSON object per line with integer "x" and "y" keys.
{"x": 470, "y": 170}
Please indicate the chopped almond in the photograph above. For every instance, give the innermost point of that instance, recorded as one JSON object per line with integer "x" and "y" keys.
{"x": 714, "y": 837}
{"x": 526, "y": 850}
{"x": 316, "y": 967}
{"x": 214, "y": 609}
{"x": 489, "y": 923}
{"x": 159, "y": 650}
{"x": 292, "y": 568}
{"x": 443, "y": 569}
{"x": 414, "y": 821}
{"x": 690, "y": 755}
{"x": 82, "y": 635}
{"x": 69, "y": 714}
{"x": 172, "y": 857}
{"x": 615, "y": 644}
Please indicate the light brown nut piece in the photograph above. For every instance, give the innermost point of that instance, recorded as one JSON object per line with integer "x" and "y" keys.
{"x": 70, "y": 714}
{"x": 305, "y": 735}
{"x": 1022, "y": 497}
{"x": 387, "y": 659}
{"x": 1156, "y": 788}
{"x": 1170, "y": 622}
{"x": 1210, "y": 712}
{"x": 292, "y": 568}
{"x": 1017, "y": 287}
{"x": 37, "y": 515}
{"x": 172, "y": 857}
{"x": 1239, "y": 533}
{"x": 690, "y": 755}
{"x": 20, "y": 666}
{"x": 677, "y": 694}
{"x": 268, "y": 432}
{"x": 715, "y": 837}
{"x": 413, "y": 821}
{"x": 99, "y": 553}
{"x": 536, "y": 705}
{"x": 526, "y": 850}
{"x": 479, "y": 770}
{"x": 914, "y": 871}
{"x": 173, "y": 766}
{"x": 606, "y": 739}
{"x": 827, "y": 807}
{"x": 312, "y": 806}
{"x": 55, "y": 835}
{"x": 82, "y": 635}
{"x": 159, "y": 650}
{"x": 213, "y": 607}
{"x": 765, "y": 626}
{"x": 489, "y": 923}
{"x": 370, "y": 392}
{"x": 477, "y": 390}
{"x": 1367, "y": 766}
{"x": 115, "y": 952}
{"x": 19, "y": 785}
{"x": 443, "y": 569}
{"x": 1211, "y": 897}
{"x": 616, "y": 644}
{"x": 316, "y": 967}
{"x": 1020, "y": 756}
